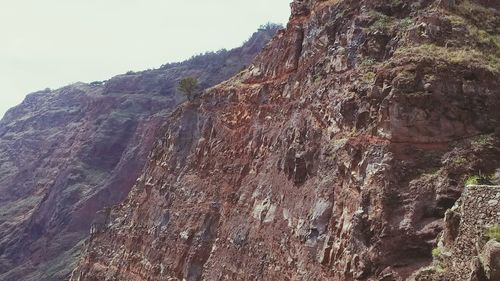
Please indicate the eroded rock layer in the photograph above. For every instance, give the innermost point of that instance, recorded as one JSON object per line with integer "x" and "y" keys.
{"x": 333, "y": 157}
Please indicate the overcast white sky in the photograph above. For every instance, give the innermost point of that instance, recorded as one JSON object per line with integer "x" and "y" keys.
{"x": 52, "y": 43}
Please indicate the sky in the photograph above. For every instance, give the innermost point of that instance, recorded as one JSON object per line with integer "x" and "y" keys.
{"x": 53, "y": 43}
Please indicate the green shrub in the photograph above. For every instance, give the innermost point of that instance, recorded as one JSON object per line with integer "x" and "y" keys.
{"x": 436, "y": 252}
{"x": 189, "y": 86}
{"x": 369, "y": 76}
{"x": 368, "y": 62}
{"x": 405, "y": 23}
{"x": 472, "y": 180}
{"x": 438, "y": 263}
{"x": 440, "y": 267}
{"x": 493, "y": 233}
{"x": 381, "y": 22}
{"x": 479, "y": 180}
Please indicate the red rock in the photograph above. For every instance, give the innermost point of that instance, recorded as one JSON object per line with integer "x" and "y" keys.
{"x": 68, "y": 153}
{"x": 245, "y": 170}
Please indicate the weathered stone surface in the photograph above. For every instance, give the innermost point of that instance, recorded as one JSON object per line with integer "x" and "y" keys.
{"x": 490, "y": 259}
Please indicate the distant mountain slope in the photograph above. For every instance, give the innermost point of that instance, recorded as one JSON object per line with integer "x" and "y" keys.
{"x": 68, "y": 153}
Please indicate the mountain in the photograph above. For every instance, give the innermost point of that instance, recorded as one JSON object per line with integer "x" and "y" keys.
{"x": 69, "y": 153}
{"x": 334, "y": 156}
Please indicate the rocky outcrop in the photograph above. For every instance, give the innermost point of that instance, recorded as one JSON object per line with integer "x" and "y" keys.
{"x": 490, "y": 258}
{"x": 334, "y": 156}
{"x": 68, "y": 153}
{"x": 467, "y": 250}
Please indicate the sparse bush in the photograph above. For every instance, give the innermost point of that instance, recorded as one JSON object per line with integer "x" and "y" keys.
{"x": 369, "y": 76}
{"x": 189, "y": 86}
{"x": 368, "y": 62}
{"x": 478, "y": 180}
{"x": 440, "y": 267}
{"x": 493, "y": 233}
{"x": 405, "y": 23}
{"x": 472, "y": 180}
{"x": 436, "y": 252}
{"x": 381, "y": 22}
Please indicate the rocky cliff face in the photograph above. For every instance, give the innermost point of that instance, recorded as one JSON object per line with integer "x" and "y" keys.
{"x": 68, "y": 153}
{"x": 334, "y": 156}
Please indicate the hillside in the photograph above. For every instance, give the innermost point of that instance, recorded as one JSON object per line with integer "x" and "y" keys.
{"x": 333, "y": 156}
{"x": 68, "y": 153}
